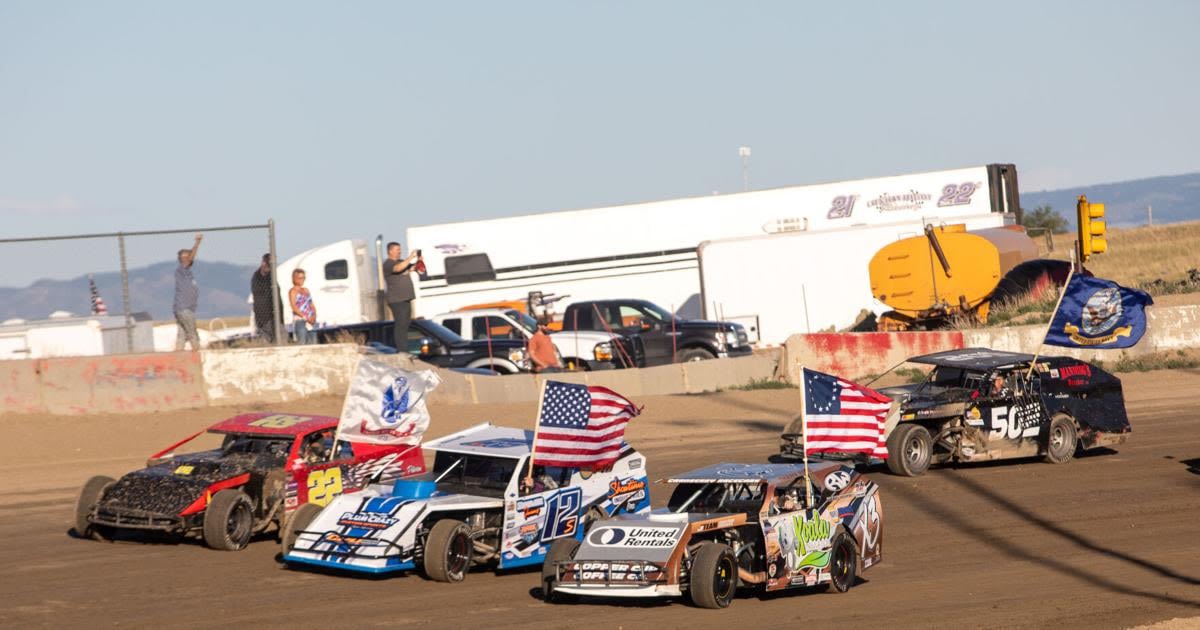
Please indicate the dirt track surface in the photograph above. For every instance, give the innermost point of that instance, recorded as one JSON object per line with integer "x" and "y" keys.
{"x": 1108, "y": 541}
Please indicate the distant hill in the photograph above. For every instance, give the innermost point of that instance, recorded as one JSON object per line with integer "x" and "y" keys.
{"x": 1174, "y": 198}
{"x": 224, "y": 288}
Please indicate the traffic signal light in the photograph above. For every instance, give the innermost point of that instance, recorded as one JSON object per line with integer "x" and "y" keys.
{"x": 1092, "y": 230}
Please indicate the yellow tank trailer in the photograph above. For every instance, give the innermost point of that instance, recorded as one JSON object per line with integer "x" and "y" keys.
{"x": 945, "y": 273}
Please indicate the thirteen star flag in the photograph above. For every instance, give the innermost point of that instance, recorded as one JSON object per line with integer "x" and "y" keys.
{"x": 843, "y": 417}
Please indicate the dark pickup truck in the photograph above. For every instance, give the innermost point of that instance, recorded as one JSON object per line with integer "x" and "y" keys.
{"x": 433, "y": 343}
{"x": 664, "y": 337}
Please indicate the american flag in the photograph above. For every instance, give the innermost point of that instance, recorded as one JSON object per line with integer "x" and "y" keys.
{"x": 98, "y": 307}
{"x": 843, "y": 417}
{"x": 581, "y": 426}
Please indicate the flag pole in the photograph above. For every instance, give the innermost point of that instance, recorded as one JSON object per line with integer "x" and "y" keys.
{"x": 808, "y": 502}
{"x": 537, "y": 422}
{"x": 1053, "y": 314}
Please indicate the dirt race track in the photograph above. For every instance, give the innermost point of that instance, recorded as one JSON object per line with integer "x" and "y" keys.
{"x": 1111, "y": 540}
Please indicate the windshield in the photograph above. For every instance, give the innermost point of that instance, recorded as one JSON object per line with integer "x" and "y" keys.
{"x": 944, "y": 378}
{"x": 460, "y": 473}
{"x": 276, "y": 448}
{"x": 656, "y": 311}
{"x": 441, "y": 332}
{"x": 526, "y": 322}
{"x": 725, "y": 497}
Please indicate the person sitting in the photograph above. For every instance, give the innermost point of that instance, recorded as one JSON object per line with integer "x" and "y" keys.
{"x": 999, "y": 387}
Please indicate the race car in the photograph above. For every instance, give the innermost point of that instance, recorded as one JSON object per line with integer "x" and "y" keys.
{"x": 476, "y": 507}
{"x": 725, "y": 527}
{"x": 978, "y": 404}
{"x": 268, "y": 464}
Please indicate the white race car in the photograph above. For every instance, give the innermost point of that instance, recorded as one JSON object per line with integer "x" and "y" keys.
{"x": 475, "y": 508}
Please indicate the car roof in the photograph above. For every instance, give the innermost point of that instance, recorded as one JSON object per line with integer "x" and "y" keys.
{"x": 486, "y": 439}
{"x": 974, "y": 358}
{"x": 284, "y": 424}
{"x": 466, "y": 312}
{"x": 778, "y": 474}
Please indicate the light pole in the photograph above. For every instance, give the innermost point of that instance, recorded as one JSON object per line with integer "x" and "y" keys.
{"x": 744, "y": 153}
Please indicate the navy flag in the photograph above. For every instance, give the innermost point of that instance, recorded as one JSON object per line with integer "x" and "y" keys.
{"x": 1098, "y": 313}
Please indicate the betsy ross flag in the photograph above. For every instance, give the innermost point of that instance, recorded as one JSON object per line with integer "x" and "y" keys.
{"x": 98, "y": 307}
{"x": 843, "y": 417}
{"x": 581, "y": 426}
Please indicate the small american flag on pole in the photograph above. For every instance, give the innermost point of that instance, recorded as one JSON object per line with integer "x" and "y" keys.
{"x": 843, "y": 417}
{"x": 98, "y": 307}
{"x": 581, "y": 426}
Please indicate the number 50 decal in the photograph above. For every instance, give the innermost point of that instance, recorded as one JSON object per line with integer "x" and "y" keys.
{"x": 324, "y": 485}
{"x": 562, "y": 514}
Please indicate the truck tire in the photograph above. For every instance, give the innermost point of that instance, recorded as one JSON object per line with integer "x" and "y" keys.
{"x": 910, "y": 450}
{"x": 1061, "y": 439}
{"x": 843, "y": 563}
{"x": 228, "y": 520}
{"x": 89, "y": 495}
{"x": 694, "y": 354}
{"x": 561, "y": 550}
{"x": 300, "y": 519}
{"x": 448, "y": 551}
{"x": 714, "y": 576}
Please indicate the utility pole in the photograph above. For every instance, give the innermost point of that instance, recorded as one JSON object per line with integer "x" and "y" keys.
{"x": 1149, "y": 215}
{"x": 744, "y": 153}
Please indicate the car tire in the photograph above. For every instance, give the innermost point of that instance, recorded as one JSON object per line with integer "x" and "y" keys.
{"x": 228, "y": 520}
{"x": 300, "y": 519}
{"x": 714, "y": 577}
{"x": 1061, "y": 439}
{"x": 910, "y": 450}
{"x": 694, "y": 354}
{"x": 843, "y": 564}
{"x": 561, "y": 550}
{"x": 89, "y": 495}
{"x": 448, "y": 550}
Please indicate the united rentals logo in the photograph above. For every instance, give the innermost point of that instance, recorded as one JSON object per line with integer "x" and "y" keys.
{"x": 1101, "y": 314}
{"x": 634, "y": 537}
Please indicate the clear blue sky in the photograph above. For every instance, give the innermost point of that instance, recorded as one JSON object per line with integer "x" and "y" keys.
{"x": 346, "y": 119}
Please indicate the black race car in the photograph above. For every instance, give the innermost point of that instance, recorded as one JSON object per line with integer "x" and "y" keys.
{"x": 979, "y": 404}
{"x": 267, "y": 466}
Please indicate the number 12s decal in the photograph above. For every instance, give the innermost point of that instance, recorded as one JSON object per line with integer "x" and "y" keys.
{"x": 562, "y": 514}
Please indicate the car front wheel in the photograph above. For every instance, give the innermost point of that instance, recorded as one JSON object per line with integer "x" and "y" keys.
{"x": 694, "y": 354}
{"x": 910, "y": 450}
{"x": 228, "y": 520}
{"x": 89, "y": 496}
{"x": 561, "y": 550}
{"x": 714, "y": 576}
{"x": 842, "y": 564}
{"x": 298, "y": 522}
{"x": 448, "y": 551}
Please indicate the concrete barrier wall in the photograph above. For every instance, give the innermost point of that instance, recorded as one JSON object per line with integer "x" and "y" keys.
{"x": 127, "y": 383}
{"x": 20, "y": 387}
{"x": 855, "y": 355}
{"x": 277, "y": 374}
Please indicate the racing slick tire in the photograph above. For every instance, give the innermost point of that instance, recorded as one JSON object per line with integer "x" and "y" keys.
{"x": 228, "y": 520}
{"x": 561, "y": 550}
{"x": 910, "y": 450}
{"x": 843, "y": 564}
{"x": 448, "y": 551}
{"x": 1061, "y": 439}
{"x": 93, "y": 489}
{"x": 296, "y": 523}
{"x": 694, "y": 354}
{"x": 714, "y": 576}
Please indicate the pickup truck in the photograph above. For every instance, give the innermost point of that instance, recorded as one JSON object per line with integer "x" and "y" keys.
{"x": 665, "y": 338}
{"x": 578, "y": 350}
{"x": 433, "y": 343}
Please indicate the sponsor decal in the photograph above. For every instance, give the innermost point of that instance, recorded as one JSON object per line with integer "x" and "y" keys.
{"x": 278, "y": 421}
{"x": 497, "y": 443}
{"x": 366, "y": 520}
{"x": 837, "y": 480}
{"x": 529, "y": 532}
{"x": 353, "y": 541}
{"x": 812, "y": 542}
{"x": 449, "y": 249}
{"x": 974, "y": 417}
{"x": 1068, "y": 371}
{"x": 531, "y": 507}
{"x": 634, "y": 537}
{"x": 841, "y": 207}
{"x": 184, "y": 470}
{"x": 622, "y": 491}
{"x": 614, "y": 571}
{"x": 888, "y": 202}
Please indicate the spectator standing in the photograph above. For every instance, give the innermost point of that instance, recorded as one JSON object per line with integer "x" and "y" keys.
{"x": 304, "y": 312}
{"x": 542, "y": 353}
{"x": 400, "y": 292}
{"x": 187, "y": 295}
{"x": 265, "y": 318}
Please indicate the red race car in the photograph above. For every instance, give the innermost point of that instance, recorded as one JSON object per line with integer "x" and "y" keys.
{"x": 268, "y": 464}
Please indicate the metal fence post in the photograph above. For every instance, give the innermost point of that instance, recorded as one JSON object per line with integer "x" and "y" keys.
{"x": 277, "y": 309}
{"x": 125, "y": 294}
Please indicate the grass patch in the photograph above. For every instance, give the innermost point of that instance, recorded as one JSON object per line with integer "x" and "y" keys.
{"x": 1138, "y": 256}
{"x": 763, "y": 383}
{"x": 1163, "y": 360}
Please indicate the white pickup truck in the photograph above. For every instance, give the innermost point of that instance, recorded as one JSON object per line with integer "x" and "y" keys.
{"x": 579, "y": 350}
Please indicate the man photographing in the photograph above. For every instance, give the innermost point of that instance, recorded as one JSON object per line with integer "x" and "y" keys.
{"x": 400, "y": 292}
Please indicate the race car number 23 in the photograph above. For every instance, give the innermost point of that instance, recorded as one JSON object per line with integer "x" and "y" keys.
{"x": 324, "y": 485}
